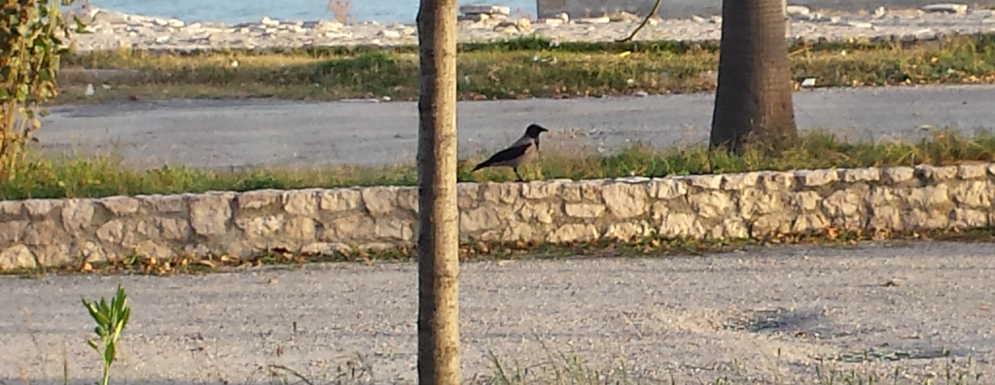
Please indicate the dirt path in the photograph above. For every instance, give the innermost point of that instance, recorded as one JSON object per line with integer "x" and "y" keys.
{"x": 696, "y": 318}
{"x": 222, "y": 134}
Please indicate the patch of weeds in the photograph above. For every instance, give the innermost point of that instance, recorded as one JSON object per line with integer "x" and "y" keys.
{"x": 513, "y": 69}
{"x": 882, "y": 354}
{"x": 954, "y": 372}
{"x": 101, "y": 176}
{"x": 559, "y": 368}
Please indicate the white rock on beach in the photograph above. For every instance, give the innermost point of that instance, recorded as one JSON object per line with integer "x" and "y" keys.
{"x": 486, "y": 9}
{"x": 111, "y": 28}
{"x": 946, "y": 8}
{"x": 797, "y": 10}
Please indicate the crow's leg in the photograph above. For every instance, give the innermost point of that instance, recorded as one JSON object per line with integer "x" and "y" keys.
{"x": 515, "y": 169}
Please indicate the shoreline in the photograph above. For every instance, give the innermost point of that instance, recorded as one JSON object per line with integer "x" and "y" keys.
{"x": 112, "y": 30}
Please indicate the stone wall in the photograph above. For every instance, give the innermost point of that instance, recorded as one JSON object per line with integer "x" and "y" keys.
{"x": 56, "y": 232}
{"x": 687, "y": 8}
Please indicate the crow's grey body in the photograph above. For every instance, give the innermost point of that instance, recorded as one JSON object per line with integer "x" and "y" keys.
{"x": 522, "y": 151}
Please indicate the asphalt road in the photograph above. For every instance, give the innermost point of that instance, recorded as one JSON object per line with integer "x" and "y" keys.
{"x": 694, "y": 318}
{"x": 264, "y": 132}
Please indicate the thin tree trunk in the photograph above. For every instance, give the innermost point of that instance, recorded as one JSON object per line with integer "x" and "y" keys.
{"x": 438, "y": 217}
{"x": 753, "y": 99}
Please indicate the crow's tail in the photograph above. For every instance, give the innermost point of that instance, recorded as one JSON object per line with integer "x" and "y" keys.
{"x": 481, "y": 165}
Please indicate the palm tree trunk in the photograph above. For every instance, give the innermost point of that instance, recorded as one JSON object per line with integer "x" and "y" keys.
{"x": 753, "y": 99}
{"x": 438, "y": 217}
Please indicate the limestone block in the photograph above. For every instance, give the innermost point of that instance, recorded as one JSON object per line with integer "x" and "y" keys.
{"x": 935, "y": 174}
{"x": 809, "y": 223}
{"x": 897, "y": 175}
{"x": 340, "y": 200}
{"x": 855, "y": 175}
{"x": 582, "y": 192}
{"x": 120, "y": 206}
{"x": 251, "y": 200}
{"x": 669, "y": 188}
{"x": 348, "y": 228}
{"x": 711, "y": 204}
{"x": 972, "y": 193}
{"x": 816, "y": 178}
{"x": 380, "y": 201}
{"x": 972, "y": 171}
{"x": 710, "y": 182}
{"x": 754, "y": 201}
{"x": 681, "y": 225}
{"x": 926, "y": 219}
{"x": 628, "y": 231}
{"x": 301, "y": 202}
{"x": 541, "y": 189}
{"x": 39, "y": 208}
{"x": 882, "y": 196}
{"x": 90, "y": 252}
{"x": 519, "y": 231}
{"x": 210, "y": 213}
{"x": 885, "y": 218}
{"x": 260, "y": 227}
{"x": 300, "y": 229}
{"x": 42, "y": 232}
{"x": 806, "y": 201}
{"x": 173, "y": 229}
{"x": 730, "y": 228}
{"x": 468, "y": 196}
{"x": 625, "y": 200}
{"x": 17, "y": 257}
{"x": 152, "y": 249}
{"x": 659, "y": 212}
{"x": 12, "y": 231}
{"x": 394, "y": 229}
{"x": 776, "y": 181}
{"x": 740, "y": 181}
{"x": 501, "y": 192}
{"x": 541, "y": 212}
{"x": 927, "y": 197}
{"x": 573, "y": 233}
{"x": 846, "y": 207}
{"x": 116, "y": 232}
{"x": 52, "y": 254}
{"x": 771, "y": 225}
{"x": 165, "y": 204}
{"x": 584, "y": 210}
{"x": 77, "y": 214}
{"x": 12, "y": 208}
{"x": 969, "y": 218}
{"x": 482, "y": 218}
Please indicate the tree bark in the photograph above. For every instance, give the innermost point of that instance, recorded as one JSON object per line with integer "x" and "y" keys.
{"x": 753, "y": 100}
{"x": 438, "y": 217}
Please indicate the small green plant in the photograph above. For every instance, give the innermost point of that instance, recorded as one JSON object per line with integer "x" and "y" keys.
{"x": 111, "y": 320}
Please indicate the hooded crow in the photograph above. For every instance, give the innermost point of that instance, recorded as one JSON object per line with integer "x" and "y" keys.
{"x": 520, "y": 152}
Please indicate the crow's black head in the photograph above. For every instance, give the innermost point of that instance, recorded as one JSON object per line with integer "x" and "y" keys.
{"x": 534, "y": 130}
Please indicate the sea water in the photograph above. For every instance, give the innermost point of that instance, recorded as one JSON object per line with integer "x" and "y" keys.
{"x": 239, "y": 11}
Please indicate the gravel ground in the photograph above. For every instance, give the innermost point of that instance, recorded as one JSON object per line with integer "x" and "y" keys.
{"x": 693, "y": 318}
{"x": 202, "y": 133}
